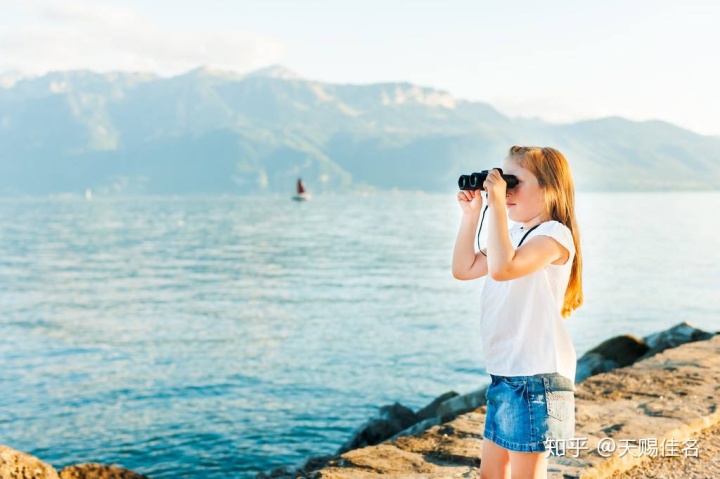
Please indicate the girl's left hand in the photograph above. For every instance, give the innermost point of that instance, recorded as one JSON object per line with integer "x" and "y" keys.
{"x": 496, "y": 188}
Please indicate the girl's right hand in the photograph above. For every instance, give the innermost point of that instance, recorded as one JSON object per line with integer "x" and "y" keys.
{"x": 470, "y": 201}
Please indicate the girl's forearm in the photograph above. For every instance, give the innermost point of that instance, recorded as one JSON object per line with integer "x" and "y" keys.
{"x": 464, "y": 252}
{"x": 500, "y": 250}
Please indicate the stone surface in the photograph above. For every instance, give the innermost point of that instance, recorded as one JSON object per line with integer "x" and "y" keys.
{"x": 391, "y": 420}
{"x": 445, "y": 451}
{"x": 19, "y": 465}
{"x": 98, "y": 471}
{"x": 704, "y": 465}
{"x": 673, "y": 395}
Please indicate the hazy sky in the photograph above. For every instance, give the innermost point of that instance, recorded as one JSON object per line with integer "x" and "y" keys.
{"x": 558, "y": 60}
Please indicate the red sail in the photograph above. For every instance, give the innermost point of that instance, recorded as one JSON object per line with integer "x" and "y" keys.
{"x": 300, "y": 187}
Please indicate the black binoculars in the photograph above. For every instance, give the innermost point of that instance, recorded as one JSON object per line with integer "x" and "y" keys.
{"x": 475, "y": 181}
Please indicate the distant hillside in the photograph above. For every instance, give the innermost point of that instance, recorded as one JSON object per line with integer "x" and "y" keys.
{"x": 210, "y": 131}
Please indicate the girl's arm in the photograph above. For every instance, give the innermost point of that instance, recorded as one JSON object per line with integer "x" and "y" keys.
{"x": 467, "y": 264}
{"x": 504, "y": 261}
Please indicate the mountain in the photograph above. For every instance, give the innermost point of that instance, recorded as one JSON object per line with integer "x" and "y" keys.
{"x": 215, "y": 131}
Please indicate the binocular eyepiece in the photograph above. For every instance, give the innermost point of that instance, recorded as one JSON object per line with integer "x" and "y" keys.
{"x": 475, "y": 181}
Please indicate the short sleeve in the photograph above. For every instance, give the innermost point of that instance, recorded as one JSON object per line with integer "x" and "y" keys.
{"x": 559, "y": 232}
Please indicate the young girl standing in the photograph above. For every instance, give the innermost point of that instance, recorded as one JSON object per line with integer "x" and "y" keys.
{"x": 534, "y": 281}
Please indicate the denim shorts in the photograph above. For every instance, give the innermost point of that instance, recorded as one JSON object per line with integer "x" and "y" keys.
{"x": 529, "y": 413}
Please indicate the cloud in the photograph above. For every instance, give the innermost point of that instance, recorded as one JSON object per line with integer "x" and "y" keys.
{"x": 74, "y": 35}
{"x": 554, "y": 109}
{"x": 74, "y": 12}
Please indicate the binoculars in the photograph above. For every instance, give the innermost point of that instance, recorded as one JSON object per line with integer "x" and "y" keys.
{"x": 475, "y": 181}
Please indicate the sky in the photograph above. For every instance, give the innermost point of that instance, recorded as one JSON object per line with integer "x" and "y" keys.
{"x": 561, "y": 61}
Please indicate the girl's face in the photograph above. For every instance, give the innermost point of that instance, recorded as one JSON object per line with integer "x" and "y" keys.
{"x": 526, "y": 202}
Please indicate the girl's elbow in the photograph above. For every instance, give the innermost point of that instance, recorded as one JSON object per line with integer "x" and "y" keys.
{"x": 499, "y": 274}
{"x": 458, "y": 274}
{"x": 463, "y": 274}
{"x": 469, "y": 274}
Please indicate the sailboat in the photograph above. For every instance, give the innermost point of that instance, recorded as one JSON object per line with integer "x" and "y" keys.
{"x": 302, "y": 194}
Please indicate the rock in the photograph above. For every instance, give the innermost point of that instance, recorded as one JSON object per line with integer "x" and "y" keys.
{"x": 391, "y": 420}
{"x": 287, "y": 472}
{"x": 18, "y": 465}
{"x": 398, "y": 415}
{"x": 589, "y": 364}
{"x": 623, "y": 350}
{"x": 418, "y": 428}
{"x": 670, "y": 397}
{"x": 445, "y": 411}
{"x": 446, "y": 434}
{"x": 315, "y": 462}
{"x": 453, "y": 407}
{"x": 430, "y": 410}
{"x": 98, "y": 471}
{"x": 283, "y": 472}
{"x": 679, "y": 334}
{"x": 616, "y": 352}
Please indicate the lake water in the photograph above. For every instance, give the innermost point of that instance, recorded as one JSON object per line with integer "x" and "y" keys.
{"x": 218, "y": 337}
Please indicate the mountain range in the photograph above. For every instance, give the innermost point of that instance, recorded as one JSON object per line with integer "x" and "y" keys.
{"x": 213, "y": 131}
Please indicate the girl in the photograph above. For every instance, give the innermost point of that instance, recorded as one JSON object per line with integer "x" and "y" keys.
{"x": 534, "y": 281}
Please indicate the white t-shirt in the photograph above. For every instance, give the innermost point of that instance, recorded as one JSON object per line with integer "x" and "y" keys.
{"x": 522, "y": 330}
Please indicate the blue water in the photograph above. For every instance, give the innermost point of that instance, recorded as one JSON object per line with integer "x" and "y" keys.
{"x": 218, "y": 337}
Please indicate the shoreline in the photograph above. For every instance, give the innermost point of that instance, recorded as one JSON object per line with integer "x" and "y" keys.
{"x": 626, "y": 386}
{"x": 663, "y": 387}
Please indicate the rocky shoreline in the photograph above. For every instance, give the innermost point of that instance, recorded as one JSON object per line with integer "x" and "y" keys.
{"x": 18, "y": 465}
{"x": 662, "y": 386}
{"x": 443, "y": 439}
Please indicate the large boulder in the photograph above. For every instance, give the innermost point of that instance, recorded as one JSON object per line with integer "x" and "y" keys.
{"x": 443, "y": 409}
{"x": 614, "y": 353}
{"x": 18, "y": 465}
{"x": 670, "y": 338}
{"x": 431, "y": 410}
{"x": 455, "y": 406}
{"x": 622, "y": 351}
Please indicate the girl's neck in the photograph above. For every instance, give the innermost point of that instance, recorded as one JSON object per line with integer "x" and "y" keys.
{"x": 533, "y": 222}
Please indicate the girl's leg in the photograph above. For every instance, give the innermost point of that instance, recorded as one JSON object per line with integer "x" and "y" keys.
{"x": 528, "y": 465}
{"x": 494, "y": 461}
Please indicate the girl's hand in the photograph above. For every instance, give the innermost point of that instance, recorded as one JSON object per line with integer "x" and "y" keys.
{"x": 470, "y": 201}
{"x": 496, "y": 187}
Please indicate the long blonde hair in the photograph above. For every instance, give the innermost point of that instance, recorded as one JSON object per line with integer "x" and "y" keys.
{"x": 553, "y": 173}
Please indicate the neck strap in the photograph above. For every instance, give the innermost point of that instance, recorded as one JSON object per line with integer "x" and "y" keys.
{"x": 528, "y": 232}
